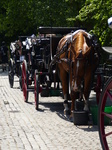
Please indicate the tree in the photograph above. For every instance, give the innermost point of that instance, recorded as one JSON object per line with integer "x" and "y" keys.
{"x": 94, "y": 16}
{"x": 24, "y": 17}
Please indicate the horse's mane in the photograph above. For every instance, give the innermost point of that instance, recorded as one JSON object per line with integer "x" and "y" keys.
{"x": 79, "y": 39}
{"x": 81, "y": 43}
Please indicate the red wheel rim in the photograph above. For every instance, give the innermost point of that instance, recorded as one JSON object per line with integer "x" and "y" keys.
{"x": 24, "y": 81}
{"x": 104, "y": 133}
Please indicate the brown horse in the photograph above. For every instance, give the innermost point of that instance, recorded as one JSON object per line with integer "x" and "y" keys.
{"x": 78, "y": 59}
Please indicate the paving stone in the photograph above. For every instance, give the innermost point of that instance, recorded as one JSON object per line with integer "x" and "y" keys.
{"x": 24, "y": 128}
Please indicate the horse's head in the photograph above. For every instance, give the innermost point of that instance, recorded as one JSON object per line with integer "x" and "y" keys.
{"x": 81, "y": 48}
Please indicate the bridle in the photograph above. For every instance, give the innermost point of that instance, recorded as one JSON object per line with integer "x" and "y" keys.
{"x": 75, "y": 75}
{"x": 76, "y": 61}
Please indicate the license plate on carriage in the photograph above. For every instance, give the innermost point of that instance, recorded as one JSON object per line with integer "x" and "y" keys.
{"x": 21, "y": 58}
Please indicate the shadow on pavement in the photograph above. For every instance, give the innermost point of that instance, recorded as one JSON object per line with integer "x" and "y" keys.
{"x": 55, "y": 107}
{"x": 92, "y": 128}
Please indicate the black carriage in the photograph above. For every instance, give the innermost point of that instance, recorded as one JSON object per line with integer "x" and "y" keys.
{"x": 105, "y": 99}
{"x": 15, "y": 62}
{"x": 29, "y": 64}
{"x": 42, "y": 76}
{"x": 103, "y": 91}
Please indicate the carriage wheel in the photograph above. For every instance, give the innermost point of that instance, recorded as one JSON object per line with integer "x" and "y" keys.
{"x": 36, "y": 90}
{"x": 11, "y": 73}
{"x": 105, "y": 99}
{"x": 20, "y": 77}
{"x": 25, "y": 81}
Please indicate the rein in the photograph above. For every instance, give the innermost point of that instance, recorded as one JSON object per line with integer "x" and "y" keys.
{"x": 56, "y": 57}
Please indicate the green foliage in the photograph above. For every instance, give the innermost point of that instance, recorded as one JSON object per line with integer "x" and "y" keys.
{"x": 94, "y": 16}
{"x": 21, "y": 17}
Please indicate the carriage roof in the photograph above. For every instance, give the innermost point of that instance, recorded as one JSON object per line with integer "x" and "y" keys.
{"x": 57, "y": 30}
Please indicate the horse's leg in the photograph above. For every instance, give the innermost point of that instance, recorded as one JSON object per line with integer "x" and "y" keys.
{"x": 87, "y": 87}
{"x": 63, "y": 78}
{"x": 73, "y": 96}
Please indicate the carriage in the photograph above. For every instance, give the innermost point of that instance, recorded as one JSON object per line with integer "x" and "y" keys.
{"x": 15, "y": 63}
{"x": 41, "y": 76}
{"x": 105, "y": 77}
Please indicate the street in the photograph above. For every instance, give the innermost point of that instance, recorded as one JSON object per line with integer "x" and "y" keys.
{"x": 24, "y": 128}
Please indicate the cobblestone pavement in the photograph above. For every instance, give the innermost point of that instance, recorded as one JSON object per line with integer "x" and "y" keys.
{"x": 24, "y": 128}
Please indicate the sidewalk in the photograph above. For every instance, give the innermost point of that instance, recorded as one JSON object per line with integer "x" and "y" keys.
{"x": 24, "y": 128}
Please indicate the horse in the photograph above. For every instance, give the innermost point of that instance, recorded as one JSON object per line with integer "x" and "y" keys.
{"x": 77, "y": 62}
